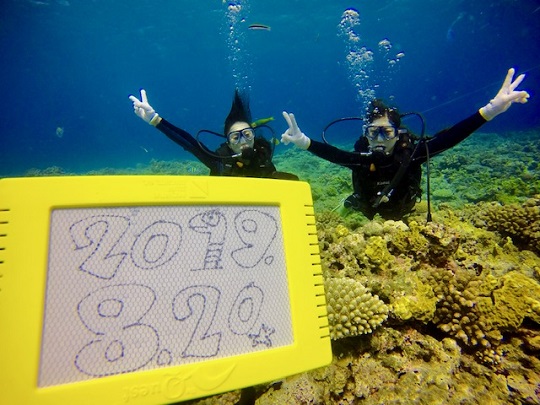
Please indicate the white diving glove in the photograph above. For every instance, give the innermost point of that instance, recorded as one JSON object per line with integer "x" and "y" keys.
{"x": 293, "y": 133}
{"x": 505, "y": 97}
{"x": 145, "y": 110}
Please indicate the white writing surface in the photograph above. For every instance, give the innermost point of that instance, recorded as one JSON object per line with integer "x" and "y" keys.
{"x": 139, "y": 288}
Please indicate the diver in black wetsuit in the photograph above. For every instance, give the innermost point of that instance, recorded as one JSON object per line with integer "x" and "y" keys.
{"x": 243, "y": 154}
{"x": 386, "y": 162}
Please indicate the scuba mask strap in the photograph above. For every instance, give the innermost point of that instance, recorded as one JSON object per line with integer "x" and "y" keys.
{"x": 342, "y": 120}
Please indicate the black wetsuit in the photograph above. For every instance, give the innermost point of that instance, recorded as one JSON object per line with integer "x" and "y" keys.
{"x": 257, "y": 164}
{"x": 372, "y": 174}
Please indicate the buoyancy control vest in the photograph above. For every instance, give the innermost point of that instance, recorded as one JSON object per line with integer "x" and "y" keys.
{"x": 256, "y": 163}
{"x": 395, "y": 176}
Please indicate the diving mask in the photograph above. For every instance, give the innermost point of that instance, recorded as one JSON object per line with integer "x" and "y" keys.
{"x": 234, "y": 137}
{"x": 386, "y": 132}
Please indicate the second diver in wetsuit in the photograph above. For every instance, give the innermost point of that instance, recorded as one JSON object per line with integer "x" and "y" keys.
{"x": 386, "y": 162}
{"x": 243, "y": 154}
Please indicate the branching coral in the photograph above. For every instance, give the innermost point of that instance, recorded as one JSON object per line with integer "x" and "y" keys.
{"x": 459, "y": 293}
{"x": 352, "y": 309}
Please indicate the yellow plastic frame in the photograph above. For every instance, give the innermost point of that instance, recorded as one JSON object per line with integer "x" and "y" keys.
{"x": 25, "y": 210}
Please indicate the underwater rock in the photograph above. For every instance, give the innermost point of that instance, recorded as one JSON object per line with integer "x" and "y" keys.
{"x": 397, "y": 366}
{"x": 419, "y": 305}
{"x": 430, "y": 242}
{"x": 298, "y": 389}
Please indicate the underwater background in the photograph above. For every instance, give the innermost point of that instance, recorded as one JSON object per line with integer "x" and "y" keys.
{"x": 69, "y": 66}
{"x": 454, "y": 303}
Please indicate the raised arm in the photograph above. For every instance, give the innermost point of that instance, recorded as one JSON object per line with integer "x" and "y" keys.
{"x": 146, "y": 112}
{"x": 294, "y": 135}
{"x": 506, "y": 96}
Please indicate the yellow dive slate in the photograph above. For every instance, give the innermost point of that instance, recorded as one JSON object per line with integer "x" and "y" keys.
{"x": 155, "y": 289}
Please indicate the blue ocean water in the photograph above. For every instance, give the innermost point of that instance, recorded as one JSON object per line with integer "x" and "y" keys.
{"x": 68, "y": 67}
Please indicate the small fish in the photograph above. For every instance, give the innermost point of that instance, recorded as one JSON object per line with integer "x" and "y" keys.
{"x": 59, "y": 132}
{"x": 260, "y": 27}
{"x": 261, "y": 121}
{"x": 143, "y": 148}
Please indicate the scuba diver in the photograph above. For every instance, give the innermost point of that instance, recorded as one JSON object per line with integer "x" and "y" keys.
{"x": 244, "y": 154}
{"x": 386, "y": 162}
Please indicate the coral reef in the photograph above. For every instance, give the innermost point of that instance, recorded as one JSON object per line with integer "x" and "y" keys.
{"x": 49, "y": 171}
{"x": 182, "y": 167}
{"x": 519, "y": 221}
{"x": 457, "y": 300}
{"x": 418, "y": 304}
{"x": 431, "y": 242}
{"x": 508, "y": 172}
{"x": 352, "y": 309}
{"x": 404, "y": 366}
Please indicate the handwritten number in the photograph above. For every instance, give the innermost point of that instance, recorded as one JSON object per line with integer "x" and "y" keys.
{"x": 97, "y": 237}
{"x": 156, "y": 245}
{"x": 199, "y": 304}
{"x": 113, "y": 314}
{"x": 257, "y": 230}
{"x": 246, "y": 309}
